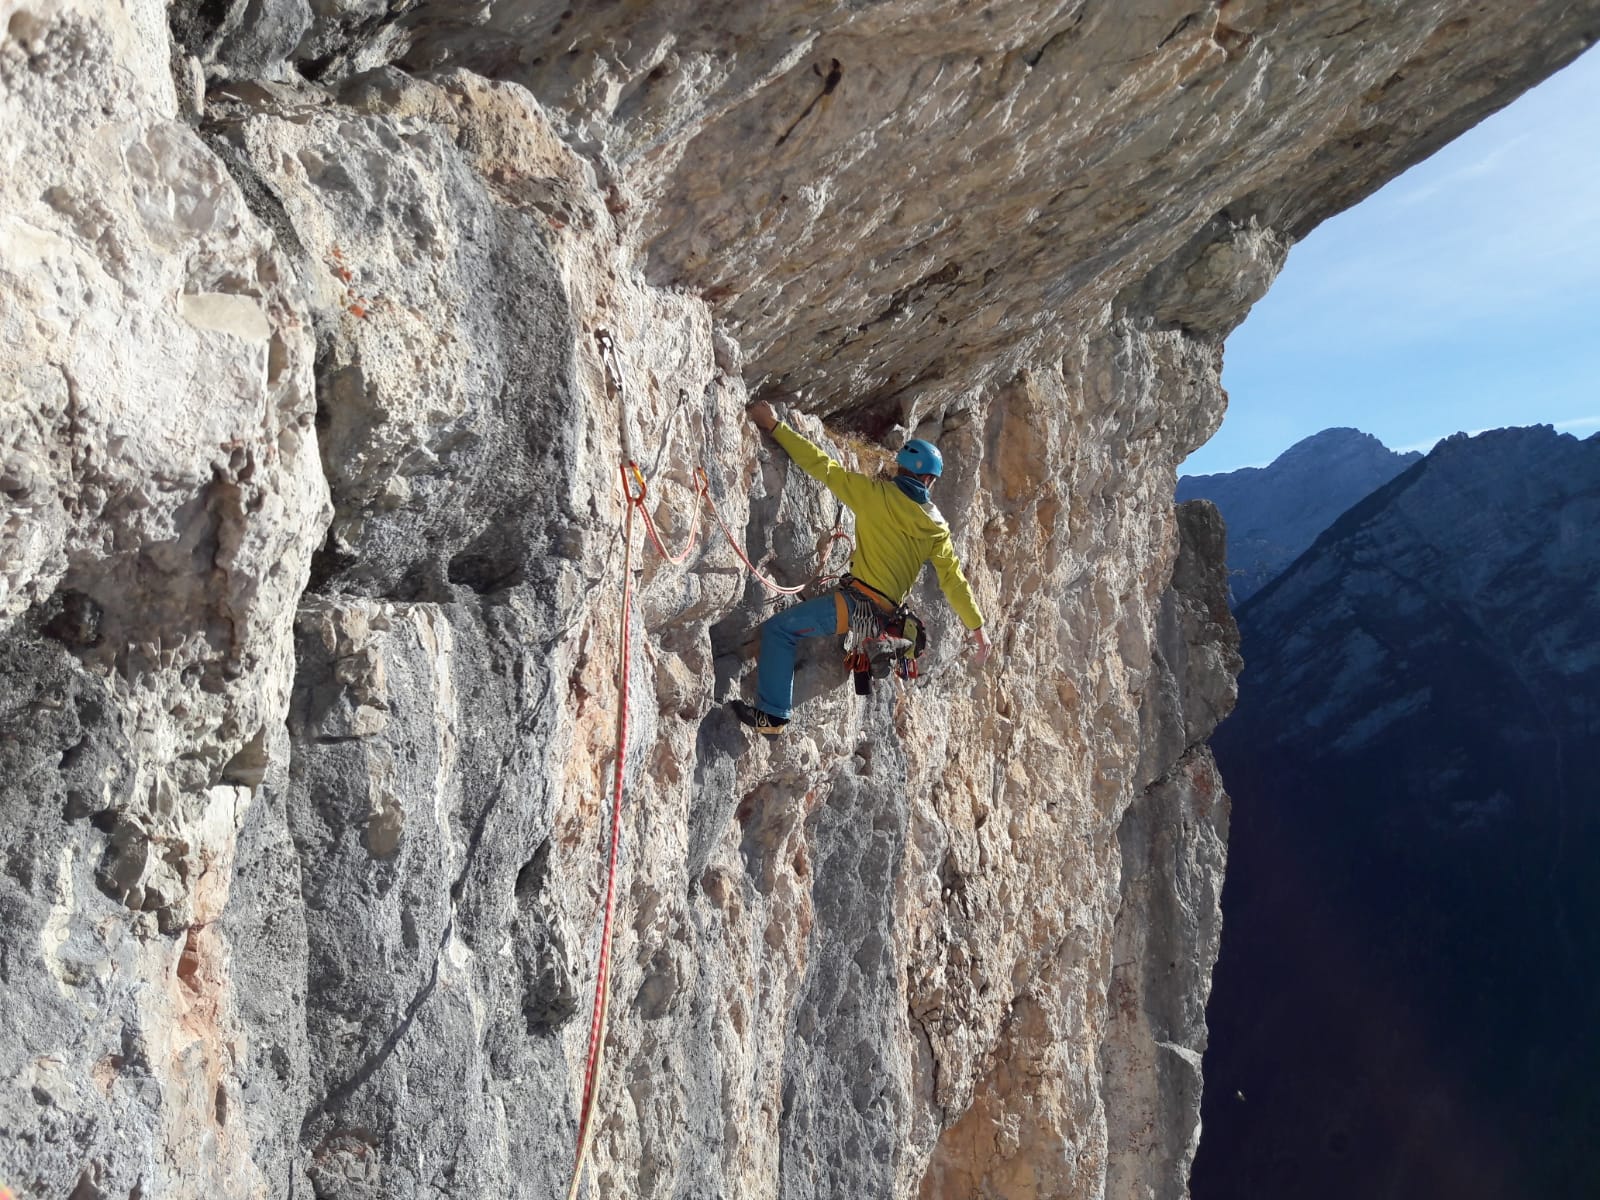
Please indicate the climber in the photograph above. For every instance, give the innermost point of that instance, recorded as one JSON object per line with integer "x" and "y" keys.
{"x": 897, "y": 530}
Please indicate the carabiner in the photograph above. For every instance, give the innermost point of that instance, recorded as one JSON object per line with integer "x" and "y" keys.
{"x": 632, "y": 467}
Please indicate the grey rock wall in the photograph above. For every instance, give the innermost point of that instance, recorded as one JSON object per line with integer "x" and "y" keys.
{"x": 312, "y": 574}
{"x": 435, "y": 968}
{"x": 1173, "y": 841}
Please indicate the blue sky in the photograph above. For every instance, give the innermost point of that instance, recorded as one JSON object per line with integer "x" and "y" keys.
{"x": 1464, "y": 295}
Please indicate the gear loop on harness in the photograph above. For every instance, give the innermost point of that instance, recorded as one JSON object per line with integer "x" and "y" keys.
{"x": 883, "y": 636}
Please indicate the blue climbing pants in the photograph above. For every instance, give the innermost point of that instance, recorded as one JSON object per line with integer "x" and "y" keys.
{"x": 780, "y": 634}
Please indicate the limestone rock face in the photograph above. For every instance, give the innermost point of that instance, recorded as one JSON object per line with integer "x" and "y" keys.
{"x": 1173, "y": 842}
{"x": 312, "y": 585}
{"x": 992, "y": 167}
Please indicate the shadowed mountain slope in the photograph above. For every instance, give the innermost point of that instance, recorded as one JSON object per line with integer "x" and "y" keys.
{"x": 1406, "y": 995}
{"x": 1274, "y": 512}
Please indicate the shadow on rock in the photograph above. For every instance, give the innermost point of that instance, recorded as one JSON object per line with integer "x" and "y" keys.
{"x": 720, "y": 741}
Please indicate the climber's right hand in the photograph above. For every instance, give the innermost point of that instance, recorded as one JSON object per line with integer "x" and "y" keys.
{"x": 763, "y": 415}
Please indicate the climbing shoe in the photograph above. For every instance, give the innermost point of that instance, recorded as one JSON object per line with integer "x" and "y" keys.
{"x": 761, "y": 722}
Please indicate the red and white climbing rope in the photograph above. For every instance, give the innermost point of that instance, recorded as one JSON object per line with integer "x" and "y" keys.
{"x": 682, "y": 556}
{"x": 602, "y": 990}
{"x": 703, "y": 485}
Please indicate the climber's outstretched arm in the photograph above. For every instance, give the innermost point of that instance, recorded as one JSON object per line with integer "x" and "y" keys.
{"x": 849, "y": 486}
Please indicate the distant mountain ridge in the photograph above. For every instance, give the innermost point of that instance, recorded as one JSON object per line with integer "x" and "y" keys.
{"x": 1406, "y": 992}
{"x": 1274, "y": 513}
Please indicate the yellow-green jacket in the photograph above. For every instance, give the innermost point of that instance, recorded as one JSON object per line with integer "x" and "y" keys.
{"x": 894, "y": 534}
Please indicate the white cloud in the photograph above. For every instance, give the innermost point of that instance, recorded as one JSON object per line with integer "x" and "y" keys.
{"x": 1463, "y": 292}
{"x": 1425, "y": 447}
{"x": 1451, "y": 179}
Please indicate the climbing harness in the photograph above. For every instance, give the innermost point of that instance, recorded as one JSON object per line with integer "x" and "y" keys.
{"x": 883, "y": 636}
{"x": 635, "y": 492}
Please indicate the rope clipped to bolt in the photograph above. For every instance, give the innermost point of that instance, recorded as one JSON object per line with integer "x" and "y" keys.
{"x": 635, "y": 491}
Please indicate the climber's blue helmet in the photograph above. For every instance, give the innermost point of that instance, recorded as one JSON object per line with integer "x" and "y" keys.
{"x": 920, "y": 458}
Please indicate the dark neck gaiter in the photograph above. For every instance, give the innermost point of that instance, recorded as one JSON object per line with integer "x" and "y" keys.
{"x": 913, "y": 487}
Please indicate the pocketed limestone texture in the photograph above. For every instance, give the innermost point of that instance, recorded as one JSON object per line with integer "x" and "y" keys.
{"x": 311, "y": 575}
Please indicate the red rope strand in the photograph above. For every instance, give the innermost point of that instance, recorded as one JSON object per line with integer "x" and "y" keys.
{"x": 602, "y": 990}
{"x": 682, "y": 556}
{"x": 636, "y": 500}
{"x": 838, "y": 535}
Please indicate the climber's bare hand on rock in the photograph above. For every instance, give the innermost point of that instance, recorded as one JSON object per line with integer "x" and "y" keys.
{"x": 763, "y": 415}
{"x": 984, "y": 646}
